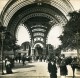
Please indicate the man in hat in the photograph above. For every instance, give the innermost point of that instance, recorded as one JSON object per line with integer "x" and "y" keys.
{"x": 52, "y": 68}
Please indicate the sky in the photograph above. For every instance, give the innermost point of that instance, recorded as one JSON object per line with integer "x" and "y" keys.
{"x": 75, "y": 4}
{"x": 23, "y": 35}
{"x": 2, "y": 3}
{"x": 53, "y": 35}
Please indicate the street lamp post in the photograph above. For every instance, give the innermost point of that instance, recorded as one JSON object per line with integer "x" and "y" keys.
{"x": 2, "y": 39}
{"x": 2, "y": 31}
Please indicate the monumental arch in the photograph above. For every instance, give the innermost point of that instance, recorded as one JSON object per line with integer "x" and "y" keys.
{"x": 38, "y": 16}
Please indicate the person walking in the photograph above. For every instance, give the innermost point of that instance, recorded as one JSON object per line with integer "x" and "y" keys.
{"x": 63, "y": 68}
{"x": 73, "y": 66}
{"x": 8, "y": 66}
{"x": 23, "y": 59}
{"x": 52, "y": 69}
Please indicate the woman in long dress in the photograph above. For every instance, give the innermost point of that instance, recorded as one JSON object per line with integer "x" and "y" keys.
{"x": 8, "y": 66}
{"x": 63, "y": 68}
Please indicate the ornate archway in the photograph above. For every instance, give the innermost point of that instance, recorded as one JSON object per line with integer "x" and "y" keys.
{"x": 39, "y": 16}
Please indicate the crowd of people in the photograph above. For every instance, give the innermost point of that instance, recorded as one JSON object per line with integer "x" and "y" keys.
{"x": 61, "y": 62}
{"x": 53, "y": 63}
{"x": 10, "y": 61}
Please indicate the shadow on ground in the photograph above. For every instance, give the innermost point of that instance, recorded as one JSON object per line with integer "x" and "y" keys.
{"x": 25, "y": 66}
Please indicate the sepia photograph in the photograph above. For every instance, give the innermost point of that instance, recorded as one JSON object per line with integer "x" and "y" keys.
{"x": 39, "y": 38}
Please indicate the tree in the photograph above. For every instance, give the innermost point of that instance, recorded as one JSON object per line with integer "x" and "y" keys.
{"x": 8, "y": 41}
{"x": 69, "y": 36}
{"x": 58, "y": 50}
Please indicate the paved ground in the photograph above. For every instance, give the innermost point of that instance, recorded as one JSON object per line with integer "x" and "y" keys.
{"x": 35, "y": 70}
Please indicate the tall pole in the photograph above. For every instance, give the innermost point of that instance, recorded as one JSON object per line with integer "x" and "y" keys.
{"x": 2, "y": 38}
{"x": 77, "y": 38}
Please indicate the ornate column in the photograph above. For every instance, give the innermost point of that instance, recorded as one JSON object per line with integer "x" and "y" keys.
{"x": 32, "y": 50}
{"x": 44, "y": 48}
